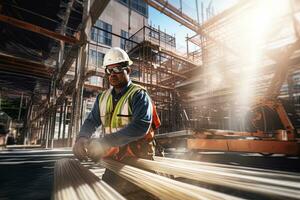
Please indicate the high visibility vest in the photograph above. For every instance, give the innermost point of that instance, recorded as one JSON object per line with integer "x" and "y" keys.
{"x": 114, "y": 119}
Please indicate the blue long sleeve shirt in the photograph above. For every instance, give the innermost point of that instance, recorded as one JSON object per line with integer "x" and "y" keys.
{"x": 141, "y": 119}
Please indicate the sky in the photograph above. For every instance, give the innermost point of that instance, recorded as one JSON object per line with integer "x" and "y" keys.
{"x": 189, "y": 8}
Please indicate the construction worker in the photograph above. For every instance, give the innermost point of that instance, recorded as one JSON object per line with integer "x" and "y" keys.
{"x": 126, "y": 114}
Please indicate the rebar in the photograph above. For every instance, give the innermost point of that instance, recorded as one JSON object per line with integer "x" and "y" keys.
{"x": 163, "y": 187}
{"x": 73, "y": 181}
{"x": 242, "y": 178}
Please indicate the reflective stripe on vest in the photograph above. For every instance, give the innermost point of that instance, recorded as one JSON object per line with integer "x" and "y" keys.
{"x": 122, "y": 114}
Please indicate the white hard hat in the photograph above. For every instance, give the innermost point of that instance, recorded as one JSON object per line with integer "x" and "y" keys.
{"x": 116, "y": 55}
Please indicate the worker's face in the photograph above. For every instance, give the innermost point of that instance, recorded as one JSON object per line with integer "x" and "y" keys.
{"x": 117, "y": 76}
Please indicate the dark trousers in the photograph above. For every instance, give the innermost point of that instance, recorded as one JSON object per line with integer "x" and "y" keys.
{"x": 126, "y": 188}
{"x": 118, "y": 183}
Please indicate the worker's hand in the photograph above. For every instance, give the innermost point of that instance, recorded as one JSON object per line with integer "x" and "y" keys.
{"x": 96, "y": 149}
{"x": 80, "y": 148}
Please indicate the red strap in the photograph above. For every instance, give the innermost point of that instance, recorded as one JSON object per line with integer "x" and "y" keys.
{"x": 111, "y": 152}
{"x": 155, "y": 118}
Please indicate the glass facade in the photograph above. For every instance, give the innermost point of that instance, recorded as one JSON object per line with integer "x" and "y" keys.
{"x": 123, "y": 41}
{"x": 139, "y": 6}
{"x": 95, "y": 58}
{"x": 94, "y": 80}
{"x": 101, "y": 36}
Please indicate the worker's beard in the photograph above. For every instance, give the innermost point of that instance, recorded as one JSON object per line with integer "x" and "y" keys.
{"x": 118, "y": 81}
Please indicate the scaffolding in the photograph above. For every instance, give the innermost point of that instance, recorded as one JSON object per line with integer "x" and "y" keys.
{"x": 263, "y": 62}
{"x": 159, "y": 67}
{"x": 212, "y": 87}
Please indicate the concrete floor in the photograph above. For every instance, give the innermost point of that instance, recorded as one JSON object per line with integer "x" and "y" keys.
{"x": 28, "y": 174}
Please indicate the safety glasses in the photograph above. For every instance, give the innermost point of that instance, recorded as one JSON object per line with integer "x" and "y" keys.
{"x": 116, "y": 70}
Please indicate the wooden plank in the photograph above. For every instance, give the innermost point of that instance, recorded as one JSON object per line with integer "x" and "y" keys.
{"x": 207, "y": 144}
{"x": 254, "y": 146}
{"x": 261, "y": 146}
{"x": 25, "y": 66}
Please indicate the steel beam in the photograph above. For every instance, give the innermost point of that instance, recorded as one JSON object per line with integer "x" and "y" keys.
{"x": 282, "y": 71}
{"x": 95, "y": 11}
{"x": 37, "y": 29}
{"x": 186, "y": 22}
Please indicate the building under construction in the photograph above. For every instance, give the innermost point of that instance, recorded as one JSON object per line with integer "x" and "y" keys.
{"x": 229, "y": 105}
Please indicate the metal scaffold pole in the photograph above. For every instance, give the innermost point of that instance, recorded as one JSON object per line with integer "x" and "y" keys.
{"x": 81, "y": 71}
